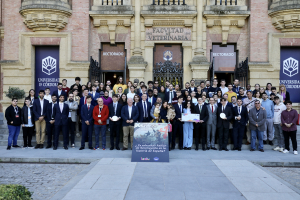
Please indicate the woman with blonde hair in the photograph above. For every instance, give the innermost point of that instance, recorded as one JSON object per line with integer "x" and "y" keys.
{"x": 285, "y": 94}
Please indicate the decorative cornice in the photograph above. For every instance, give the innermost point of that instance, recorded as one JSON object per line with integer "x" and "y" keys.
{"x": 2, "y": 32}
{"x": 286, "y": 20}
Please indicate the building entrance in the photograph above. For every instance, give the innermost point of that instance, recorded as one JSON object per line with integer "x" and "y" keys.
{"x": 227, "y": 76}
{"x": 112, "y": 76}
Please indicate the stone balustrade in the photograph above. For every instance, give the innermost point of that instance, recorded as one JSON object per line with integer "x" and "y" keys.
{"x": 226, "y": 2}
{"x": 276, "y": 5}
{"x": 111, "y": 2}
{"x": 47, "y": 4}
{"x": 169, "y": 2}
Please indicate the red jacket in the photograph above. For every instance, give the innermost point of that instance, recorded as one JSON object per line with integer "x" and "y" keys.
{"x": 104, "y": 115}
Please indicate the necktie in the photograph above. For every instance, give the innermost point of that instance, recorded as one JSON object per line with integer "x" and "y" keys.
{"x": 145, "y": 110}
{"x": 180, "y": 108}
{"x": 115, "y": 109}
{"x": 200, "y": 108}
{"x": 172, "y": 95}
{"x": 88, "y": 107}
{"x": 61, "y": 107}
{"x": 222, "y": 108}
{"x": 239, "y": 110}
{"x": 212, "y": 108}
{"x": 84, "y": 100}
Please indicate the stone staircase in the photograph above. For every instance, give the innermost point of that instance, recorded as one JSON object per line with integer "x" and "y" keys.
{"x": 4, "y": 137}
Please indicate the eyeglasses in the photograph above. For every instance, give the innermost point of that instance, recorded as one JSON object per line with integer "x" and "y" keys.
{"x": 257, "y": 103}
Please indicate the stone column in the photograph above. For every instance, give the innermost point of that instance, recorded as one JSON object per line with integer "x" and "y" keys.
{"x": 137, "y": 28}
{"x": 199, "y": 49}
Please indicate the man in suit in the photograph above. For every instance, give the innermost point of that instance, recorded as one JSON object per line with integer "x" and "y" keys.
{"x": 240, "y": 115}
{"x": 129, "y": 116}
{"x": 170, "y": 95}
{"x": 143, "y": 91}
{"x": 200, "y": 127}
{"x": 144, "y": 109}
{"x": 192, "y": 87}
{"x": 257, "y": 120}
{"x": 60, "y": 91}
{"x": 87, "y": 122}
{"x": 151, "y": 99}
{"x": 61, "y": 113}
{"x": 95, "y": 95}
{"x": 39, "y": 110}
{"x": 50, "y": 122}
{"x": 211, "y": 124}
{"x": 236, "y": 87}
{"x": 178, "y": 124}
{"x": 223, "y": 124}
{"x": 115, "y": 110}
{"x": 207, "y": 87}
{"x": 73, "y": 107}
{"x": 83, "y": 99}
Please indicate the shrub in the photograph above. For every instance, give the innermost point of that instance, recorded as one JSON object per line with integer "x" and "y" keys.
{"x": 14, "y": 192}
{"x": 15, "y": 92}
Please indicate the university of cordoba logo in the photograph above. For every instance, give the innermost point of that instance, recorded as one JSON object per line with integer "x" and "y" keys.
{"x": 168, "y": 55}
{"x": 49, "y": 65}
{"x": 290, "y": 67}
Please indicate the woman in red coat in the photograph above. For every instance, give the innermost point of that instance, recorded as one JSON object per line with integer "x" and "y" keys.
{"x": 100, "y": 115}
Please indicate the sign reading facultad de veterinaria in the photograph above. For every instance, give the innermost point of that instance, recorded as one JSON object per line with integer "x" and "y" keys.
{"x": 150, "y": 142}
{"x": 168, "y": 34}
{"x": 289, "y": 71}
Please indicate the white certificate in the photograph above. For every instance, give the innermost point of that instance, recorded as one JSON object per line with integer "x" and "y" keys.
{"x": 190, "y": 117}
{"x": 115, "y": 118}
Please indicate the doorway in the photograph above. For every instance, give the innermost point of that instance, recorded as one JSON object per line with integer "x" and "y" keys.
{"x": 227, "y": 76}
{"x": 112, "y": 76}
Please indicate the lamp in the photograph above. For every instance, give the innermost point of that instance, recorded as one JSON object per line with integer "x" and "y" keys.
{"x": 115, "y": 75}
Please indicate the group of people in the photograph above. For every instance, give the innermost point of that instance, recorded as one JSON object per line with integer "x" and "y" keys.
{"x": 226, "y": 113}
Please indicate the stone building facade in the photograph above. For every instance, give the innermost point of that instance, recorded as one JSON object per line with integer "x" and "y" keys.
{"x": 206, "y": 38}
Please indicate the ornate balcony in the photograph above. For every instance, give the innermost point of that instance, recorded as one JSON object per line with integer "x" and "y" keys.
{"x": 46, "y": 15}
{"x": 285, "y": 14}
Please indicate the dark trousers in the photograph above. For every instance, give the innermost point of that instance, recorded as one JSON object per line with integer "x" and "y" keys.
{"x": 177, "y": 128}
{"x": 87, "y": 130}
{"x": 71, "y": 130}
{"x": 287, "y": 136}
{"x": 146, "y": 119}
{"x": 50, "y": 133}
{"x": 238, "y": 134}
{"x": 114, "y": 130}
{"x": 27, "y": 135}
{"x": 65, "y": 133}
{"x": 200, "y": 132}
{"x": 223, "y": 137}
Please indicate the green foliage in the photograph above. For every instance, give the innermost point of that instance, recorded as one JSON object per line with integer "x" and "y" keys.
{"x": 14, "y": 192}
{"x": 15, "y": 92}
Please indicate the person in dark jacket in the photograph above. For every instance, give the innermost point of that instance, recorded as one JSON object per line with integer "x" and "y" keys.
{"x": 12, "y": 115}
{"x": 27, "y": 118}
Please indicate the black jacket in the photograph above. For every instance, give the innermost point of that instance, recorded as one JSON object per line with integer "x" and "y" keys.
{"x": 163, "y": 114}
{"x": 203, "y": 114}
{"x": 10, "y": 116}
{"x": 244, "y": 116}
{"x": 228, "y": 112}
{"x": 24, "y": 115}
{"x": 118, "y": 111}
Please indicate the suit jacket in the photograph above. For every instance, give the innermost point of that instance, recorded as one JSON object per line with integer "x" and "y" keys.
{"x": 49, "y": 113}
{"x": 190, "y": 90}
{"x": 205, "y": 90}
{"x": 178, "y": 113}
{"x": 228, "y": 104}
{"x": 94, "y": 101}
{"x": 203, "y": 114}
{"x": 236, "y": 89}
{"x": 81, "y": 103}
{"x": 167, "y": 95}
{"x": 24, "y": 115}
{"x": 61, "y": 118}
{"x": 87, "y": 115}
{"x": 37, "y": 109}
{"x": 153, "y": 101}
{"x": 260, "y": 119}
{"x": 125, "y": 115}
{"x": 224, "y": 123}
{"x": 140, "y": 106}
{"x": 244, "y": 116}
{"x": 112, "y": 112}
{"x": 62, "y": 93}
{"x": 212, "y": 116}
{"x": 140, "y": 94}
{"x": 73, "y": 107}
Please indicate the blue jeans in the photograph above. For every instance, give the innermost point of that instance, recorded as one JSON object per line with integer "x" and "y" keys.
{"x": 259, "y": 135}
{"x": 14, "y": 132}
{"x": 101, "y": 128}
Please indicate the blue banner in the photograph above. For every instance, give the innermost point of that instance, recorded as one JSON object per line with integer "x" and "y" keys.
{"x": 289, "y": 71}
{"x": 46, "y": 68}
{"x": 150, "y": 143}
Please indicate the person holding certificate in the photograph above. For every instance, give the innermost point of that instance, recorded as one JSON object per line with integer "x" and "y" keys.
{"x": 188, "y": 127}
{"x": 224, "y": 115}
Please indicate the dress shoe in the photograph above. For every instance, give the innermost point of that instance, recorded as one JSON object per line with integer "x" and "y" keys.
{"x": 25, "y": 146}
{"x": 203, "y": 149}
{"x": 180, "y": 148}
{"x": 220, "y": 149}
{"x": 169, "y": 149}
{"x": 30, "y": 146}
{"x": 16, "y": 146}
{"x": 207, "y": 148}
{"x": 41, "y": 146}
{"x": 54, "y": 148}
{"x": 196, "y": 149}
{"x": 8, "y": 148}
{"x": 185, "y": 148}
{"x": 214, "y": 148}
{"x": 92, "y": 148}
{"x": 124, "y": 149}
{"x": 118, "y": 148}
{"x": 172, "y": 148}
{"x": 271, "y": 143}
{"x": 48, "y": 146}
{"x": 265, "y": 142}
{"x": 37, "y": 146}
{"x": 81, "y": 148}
{"x": 65, "y": 147}
{"x": 261, "y": 150}
{"x": 225, "y": 149}
{"x": 234, "y": 149}
{"x": 239, "y": 149}
{"x": 190, "y": 148}
{"x": 111, "y": 148}
{"x": 252, "y": 150}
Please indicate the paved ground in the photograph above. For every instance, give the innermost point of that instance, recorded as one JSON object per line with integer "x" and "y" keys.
{"x": 290, "y": 175}
{"x": 44, "y": 180}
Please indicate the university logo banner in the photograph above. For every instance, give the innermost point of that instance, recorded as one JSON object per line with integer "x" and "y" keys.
{"x": 46, "y": 67}
{"x": 150, "y": 143}
{"x": 289, "y": 71}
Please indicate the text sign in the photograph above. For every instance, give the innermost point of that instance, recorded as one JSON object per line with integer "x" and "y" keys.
{"x": 168, "y": 34}
{"x": 289, "y": 71}
{"x": 150, "y": 142}
{"x": 46, "y": 68}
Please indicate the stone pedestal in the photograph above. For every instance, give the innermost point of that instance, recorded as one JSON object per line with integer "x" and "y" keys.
{"x": 199, "y": 67}
{"x": 137, "y": 67}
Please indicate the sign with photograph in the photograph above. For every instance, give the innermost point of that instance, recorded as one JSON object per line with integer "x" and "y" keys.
{"x": 150, "y": 142}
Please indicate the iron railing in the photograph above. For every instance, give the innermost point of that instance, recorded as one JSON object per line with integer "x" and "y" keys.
{"x": 95, "y": 70}
{"x": 168, "y": 2}
{"x": 112, "y": 2}
{"x": 241, "y": 73}
{"x": 226, "y": 2}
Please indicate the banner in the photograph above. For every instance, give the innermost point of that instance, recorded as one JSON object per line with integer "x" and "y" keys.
{"x": 150, "y": 143}
{"x": 46, "y": 68}
{"x": 289, "y": 71}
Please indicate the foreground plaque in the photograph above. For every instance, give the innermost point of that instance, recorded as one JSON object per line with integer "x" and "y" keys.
{"x": 150, "y": 142}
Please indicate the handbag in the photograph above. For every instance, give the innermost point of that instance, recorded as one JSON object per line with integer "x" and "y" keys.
{"x": 298, "y": 121}
{"x": 169, "y": 127}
